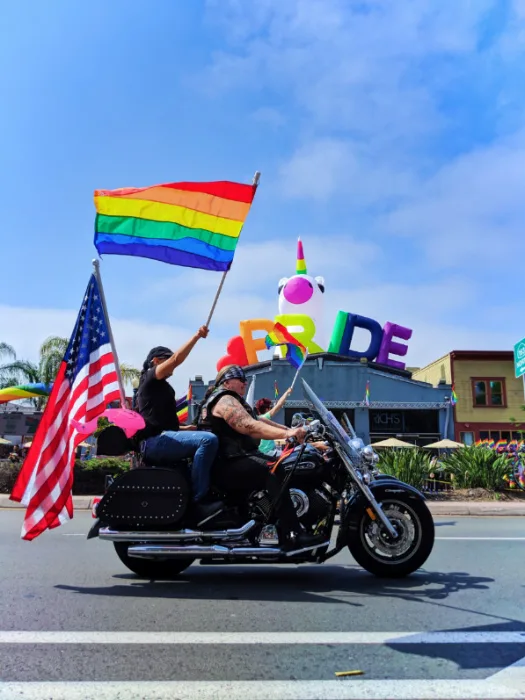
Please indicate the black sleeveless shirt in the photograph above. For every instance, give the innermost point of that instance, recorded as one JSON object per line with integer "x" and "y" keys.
{"x": 231, "y": 443}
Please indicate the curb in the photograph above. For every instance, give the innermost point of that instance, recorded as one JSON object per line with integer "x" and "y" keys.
{"x": 437, "y": 508}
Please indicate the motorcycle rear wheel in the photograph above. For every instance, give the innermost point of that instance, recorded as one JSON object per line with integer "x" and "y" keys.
{"x": 385, "y": 557}
{"x": 151, "y": 568}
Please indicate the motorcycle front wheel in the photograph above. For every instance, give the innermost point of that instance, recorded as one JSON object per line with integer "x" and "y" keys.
{"x": 388, "y": 557}
{"x": 151, "y": 568}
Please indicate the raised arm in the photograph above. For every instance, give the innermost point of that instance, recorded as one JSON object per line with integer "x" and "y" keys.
{"x": 230, "y": 410}
{"x": 165, "y": 369}
{"x": 279, "y": 404}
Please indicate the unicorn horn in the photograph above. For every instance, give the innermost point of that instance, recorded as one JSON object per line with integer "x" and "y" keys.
{"x": 301, "y": 263}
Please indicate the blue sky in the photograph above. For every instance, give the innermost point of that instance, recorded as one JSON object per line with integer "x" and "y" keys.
{"x": 390, "y": 137}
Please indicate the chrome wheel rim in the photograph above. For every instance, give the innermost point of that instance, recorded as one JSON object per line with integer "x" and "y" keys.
{"x": 384, "y": 548}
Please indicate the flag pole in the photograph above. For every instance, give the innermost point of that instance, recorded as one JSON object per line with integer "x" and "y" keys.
{"x": 255, "y": 183}
{"x": 96, "y": 272}
{"x": 299, "y": 369}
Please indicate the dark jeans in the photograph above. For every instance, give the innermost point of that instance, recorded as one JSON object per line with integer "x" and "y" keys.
{"x": 252, "y": 473}
{"x": 177, "y": 445}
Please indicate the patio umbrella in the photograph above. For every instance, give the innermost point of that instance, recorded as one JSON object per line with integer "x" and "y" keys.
{"x": 5, "y": 442}
{"x": 445, "y": 444}
{"x": 393, "y": 442}
{"x": 27, "y": 444}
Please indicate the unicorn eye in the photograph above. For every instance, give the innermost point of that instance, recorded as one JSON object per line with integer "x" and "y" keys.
{"x": 282, "y": 282}
{"x": 320, "y": 283}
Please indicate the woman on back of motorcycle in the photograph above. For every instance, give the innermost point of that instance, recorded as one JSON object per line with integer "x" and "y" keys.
{"x": 240, "y": 463}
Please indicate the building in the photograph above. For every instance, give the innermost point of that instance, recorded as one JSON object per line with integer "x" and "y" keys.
{"x": 18, "y": 423}
{"x": 488, "y": 394}
{"x": 399, "y": 405}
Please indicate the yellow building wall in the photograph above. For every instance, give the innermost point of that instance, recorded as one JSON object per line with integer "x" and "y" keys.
{"x": 434, "y": 372}
{"x": 465, "y": 370}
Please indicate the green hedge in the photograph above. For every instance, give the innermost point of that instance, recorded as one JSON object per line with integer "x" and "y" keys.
{"x": 89, "y": 476}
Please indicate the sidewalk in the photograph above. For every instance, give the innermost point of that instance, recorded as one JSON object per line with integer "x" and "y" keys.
{"x": 437, "y": 508}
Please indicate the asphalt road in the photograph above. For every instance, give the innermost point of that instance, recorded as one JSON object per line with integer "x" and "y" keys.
{"x": 340, "y": 617}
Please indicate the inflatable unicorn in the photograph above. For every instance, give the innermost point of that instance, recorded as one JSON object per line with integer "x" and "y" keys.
{"x": 302, "y": 294}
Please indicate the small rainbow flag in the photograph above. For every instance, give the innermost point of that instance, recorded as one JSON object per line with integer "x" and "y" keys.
{"x": 295, "y": 350}
{"x": 192, "y": 224}
{"x": 183, "y": 406}
{"x": 367, "y": 394}
{"x": 275, "y": 390}
{"x": 454, "y": 396}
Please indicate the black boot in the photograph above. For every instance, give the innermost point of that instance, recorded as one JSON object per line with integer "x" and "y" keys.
{"x": 204, "y": 512}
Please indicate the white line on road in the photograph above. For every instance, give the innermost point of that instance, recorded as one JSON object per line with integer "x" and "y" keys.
{"x": 445, "y": 637}
{"x": 512, "y": 676}
{"x": 263, "y": 690}
{"x": 485, "y": 539}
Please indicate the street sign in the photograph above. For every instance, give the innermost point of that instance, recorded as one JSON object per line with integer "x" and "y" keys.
{"x": 519, "y": 359}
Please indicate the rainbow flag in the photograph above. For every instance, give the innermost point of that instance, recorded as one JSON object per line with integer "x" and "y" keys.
{"x": 192, "y": 224}
{"x": 295, "y": 350}
{"x": 24, "y": 391}
{"x": 454, "y": 396}
{"x": 367, "y": 394}
{"x": 275, "y": 390}
{"x": 183, "y": 406}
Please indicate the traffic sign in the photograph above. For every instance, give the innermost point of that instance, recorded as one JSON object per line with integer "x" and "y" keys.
{"x": 519, "y": 358}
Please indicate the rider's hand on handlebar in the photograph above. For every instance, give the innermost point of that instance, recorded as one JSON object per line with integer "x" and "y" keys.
{"x": 296, "y": 434}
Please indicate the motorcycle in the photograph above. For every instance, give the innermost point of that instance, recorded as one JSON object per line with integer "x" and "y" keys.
{"x": 146, "y": 513}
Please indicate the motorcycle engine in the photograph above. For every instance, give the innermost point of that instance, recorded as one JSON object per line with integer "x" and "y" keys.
{"x": 313, "y": 507}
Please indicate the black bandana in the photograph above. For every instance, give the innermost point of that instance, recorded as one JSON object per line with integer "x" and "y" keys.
{"x": 234, "y": 372}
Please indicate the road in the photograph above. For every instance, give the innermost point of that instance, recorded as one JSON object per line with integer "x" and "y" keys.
{"x": 317, "y": 620}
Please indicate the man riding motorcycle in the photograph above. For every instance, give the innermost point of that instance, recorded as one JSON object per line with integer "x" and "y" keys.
{"x": 225, "y": 413}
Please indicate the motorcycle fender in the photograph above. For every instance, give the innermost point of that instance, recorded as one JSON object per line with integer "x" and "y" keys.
{"x": 381, "y": 490}
{"x": 95, "y": 529}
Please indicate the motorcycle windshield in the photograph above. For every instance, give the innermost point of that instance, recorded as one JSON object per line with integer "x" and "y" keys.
{"x": 330, "y": 421}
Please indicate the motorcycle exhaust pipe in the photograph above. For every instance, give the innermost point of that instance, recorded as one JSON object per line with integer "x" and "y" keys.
{"x": 108, "y": 534}
{"x": 155, "y": 551}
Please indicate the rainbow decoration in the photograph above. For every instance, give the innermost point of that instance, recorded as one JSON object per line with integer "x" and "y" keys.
{"x": 24, "y": 391}
{"x": 367, "y": 394}
{"x": 295, "y": 350}
{"x": 454, "y": 396}
{"x": 301, "y": 262}
{"x": 192, "y": 224}
{"x": 275, "y": 390}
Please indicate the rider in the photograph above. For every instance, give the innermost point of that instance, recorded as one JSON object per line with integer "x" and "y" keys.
{"x": 225, "y": 412}
{"x": 163, "y": 438}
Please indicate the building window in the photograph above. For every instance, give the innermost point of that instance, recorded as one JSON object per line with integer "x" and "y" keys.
{"x": 467, "y": 438}
{"x": 488, "y": 392}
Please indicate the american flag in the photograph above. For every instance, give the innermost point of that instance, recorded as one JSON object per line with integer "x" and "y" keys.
{"x": 86, "y": 382}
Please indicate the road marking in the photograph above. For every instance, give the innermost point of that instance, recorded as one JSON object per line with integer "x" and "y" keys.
{"x": 445, "y": 637}
{"x": 485, "y": 539}
{"x": 263, "y": 690}
{"x": 512, "y": 676}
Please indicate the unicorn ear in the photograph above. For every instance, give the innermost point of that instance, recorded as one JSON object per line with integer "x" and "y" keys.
{"x": 320, "y": 283}
{"x": 281, "y": 284}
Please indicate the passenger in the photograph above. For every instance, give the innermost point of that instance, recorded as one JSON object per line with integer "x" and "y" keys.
{"x": 164, "y": 439}
{"x": 240, "y": 463}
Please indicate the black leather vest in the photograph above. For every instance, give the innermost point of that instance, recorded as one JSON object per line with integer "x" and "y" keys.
{"x": 231, "y": 443}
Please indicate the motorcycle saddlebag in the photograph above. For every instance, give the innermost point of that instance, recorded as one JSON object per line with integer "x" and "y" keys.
{"x": 145, "y": 499}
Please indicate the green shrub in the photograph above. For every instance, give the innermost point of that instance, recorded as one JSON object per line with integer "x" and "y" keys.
{"x": 106, "y": 464}
{"x": 8, "y": 475}
{"x": 410, "y": 465}
{"x": 477, "y": 467}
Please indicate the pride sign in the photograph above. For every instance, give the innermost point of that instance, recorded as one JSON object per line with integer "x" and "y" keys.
{"x": 384, "y": 342}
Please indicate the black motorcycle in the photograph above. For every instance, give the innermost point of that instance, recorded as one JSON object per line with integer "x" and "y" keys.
{"x": 340, "y": 495}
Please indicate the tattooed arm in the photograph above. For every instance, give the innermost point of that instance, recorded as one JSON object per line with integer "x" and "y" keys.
{"x": 230, "y": 410}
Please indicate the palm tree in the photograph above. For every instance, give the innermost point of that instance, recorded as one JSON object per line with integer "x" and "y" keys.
{"x": 6, "y": 351}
